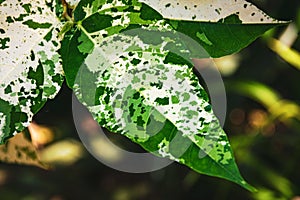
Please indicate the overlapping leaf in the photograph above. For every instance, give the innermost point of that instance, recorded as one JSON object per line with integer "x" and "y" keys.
{"x": 30, "y": 67}
{"x": 221, "y": 27}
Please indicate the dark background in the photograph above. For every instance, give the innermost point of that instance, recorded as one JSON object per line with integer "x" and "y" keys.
{"x": 267, "y": 150}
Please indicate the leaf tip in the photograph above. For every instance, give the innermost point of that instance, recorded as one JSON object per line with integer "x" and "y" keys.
{"x": 248, "y": 187}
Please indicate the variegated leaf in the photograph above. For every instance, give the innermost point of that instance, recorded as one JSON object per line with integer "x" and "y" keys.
{"x": 221, "y": 27}
{"x": 127, "y": 74}
{"x": 30, "y": 67}
{"x": 211, "y": 11}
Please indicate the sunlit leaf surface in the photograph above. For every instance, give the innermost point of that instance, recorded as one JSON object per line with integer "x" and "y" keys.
{"x": 120, "y": 62}
{"x": 30, "y": 67}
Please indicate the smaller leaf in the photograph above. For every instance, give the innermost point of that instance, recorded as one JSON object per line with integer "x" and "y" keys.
{"x": 20, "y": 150}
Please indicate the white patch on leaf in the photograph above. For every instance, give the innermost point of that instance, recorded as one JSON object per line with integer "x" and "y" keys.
{"x": 210, "y": 10}
{"x": 72, "y": 3}
{"x": 2, "y": 122}
{"x": 164, "y": 150}
{"x": 94, "y": 7}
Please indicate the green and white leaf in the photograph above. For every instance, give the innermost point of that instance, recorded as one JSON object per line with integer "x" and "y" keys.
{"x": 30, "y": 67}
{"x": 210, "y": 11}
{"x": 216, "y": 25}
{"x": 133, "y": 84}
{"x": 221, "y": 27}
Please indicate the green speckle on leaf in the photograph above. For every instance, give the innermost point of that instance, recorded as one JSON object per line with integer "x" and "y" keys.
{"x": 231, "y": 19}
{"x": 9, "y": 19}
{"x": 208, "y": 108}
{"x": 50, "y": 90}
{"x": 135, "y": 61}
{"x": 136, "y": 80}
{"x": 27, "y": 7}
{"x": 203, "y": 38}
{"x": 162, "y": 101}
{"x": 3, "y": 43}
{"x": 191, "y": 113}
{"x": 175, "y": 100}
{"x": 21, "y": 17}
{"x": 8, "y": 90}
{"x": 186, "y": 96}
{"x": 35, "y": 25}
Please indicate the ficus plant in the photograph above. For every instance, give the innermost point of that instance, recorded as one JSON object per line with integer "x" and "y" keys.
{"x": 129, "y": 63}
